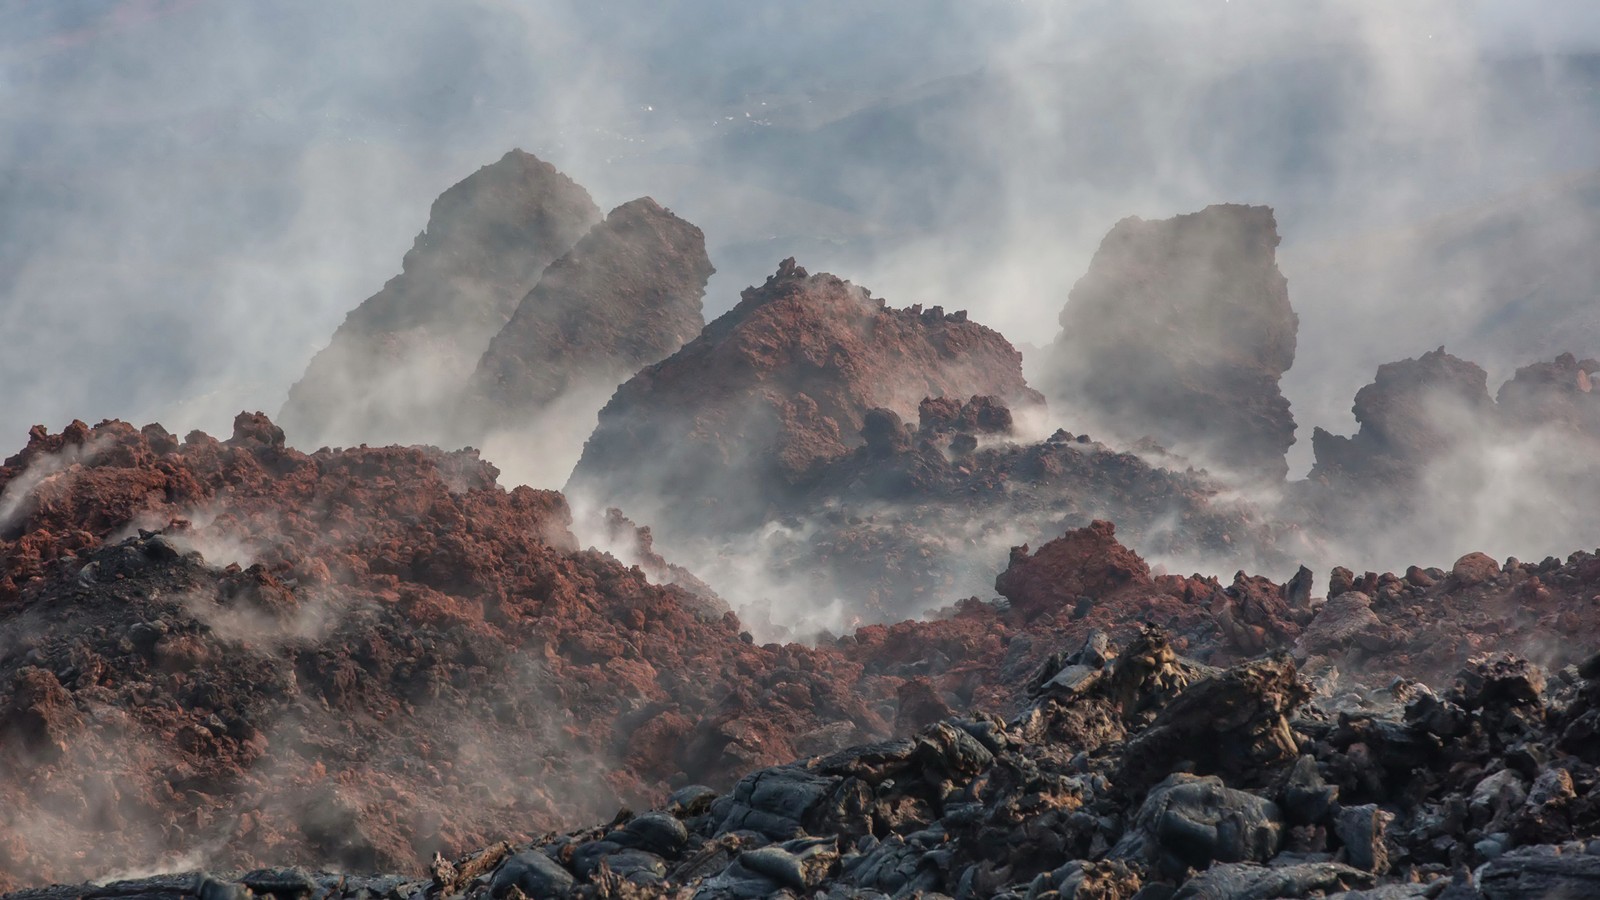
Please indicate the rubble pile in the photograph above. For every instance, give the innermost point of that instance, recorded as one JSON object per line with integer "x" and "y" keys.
{"x": 237, "y": 652}
{"x": 235, "y": 649}
{"x": 1129, "y": 772}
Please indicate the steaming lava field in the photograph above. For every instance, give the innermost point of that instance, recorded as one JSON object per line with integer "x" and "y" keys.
{"x": 824, "y": 611}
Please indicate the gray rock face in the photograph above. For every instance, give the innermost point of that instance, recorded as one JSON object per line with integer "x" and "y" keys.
{"x": 1245, "y": 881}
{"x": 1538, "y": 872}
{"x": 394, "y": 369}
{"x": 1414, "y": 411}
{"x": 1181, "y": 330}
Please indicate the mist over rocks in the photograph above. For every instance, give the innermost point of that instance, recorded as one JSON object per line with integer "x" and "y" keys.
{"x": 829, "y": 445}
{"x": 1414, "y": 411}
{"x": 739, "y": 419}
{"x": 1509, "y": 473}
{"x": 628, "y": 295}
{"x": 396, "y": 366}
{"x": 1124, "y": 769}
{"x": 351, "y": 658}
{"x": 1559, "y": 393}
{"x": 1181, "y": 330}
{"x": 918, "y": 515}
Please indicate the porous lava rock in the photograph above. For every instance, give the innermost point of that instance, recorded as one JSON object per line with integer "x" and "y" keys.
{"x": 356, "y": 658}
{"x": 1125, "y": 771}
{"x": 707, "y": 440}
{"x": 626, "y": 296}
{"x": 1181, "y": 330}
{"x": 396, "y": 366}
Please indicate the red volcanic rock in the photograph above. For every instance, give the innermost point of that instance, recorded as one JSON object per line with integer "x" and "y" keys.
{"x": 1254, "y": 614}
{"x": 355, "y": 658}
{"x": 738, "y": 418}
{"x": 1414, "y": 412}
{"x": 626, "y": 296}
{"x": 919, "y": 706}
{"x": 395, "y": 367}
{"x": 39, "y": 716}
{"x": 1086, "y": 564}
{"x": 635, "y": 545}
{"x": 979, "y": 415}
{"x": 1474, "y": 568}
{"x": 1181, "y": 330}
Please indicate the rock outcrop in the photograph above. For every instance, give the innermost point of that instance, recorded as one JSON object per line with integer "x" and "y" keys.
{"x": 1081, "y": 566}
{"x": 1415, "y": 411}
{"x": 358, "y": 658}
{"x": 1181, "y": 330}
{"x": 740, "y": 418}
{"x": 628, "y": 295}
{"x": 394, "y": 370}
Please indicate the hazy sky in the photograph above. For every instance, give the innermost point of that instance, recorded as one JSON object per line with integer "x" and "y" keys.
{"x": 194, "y": 193}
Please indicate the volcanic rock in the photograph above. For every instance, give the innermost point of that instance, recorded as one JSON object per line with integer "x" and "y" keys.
{"x": 708, "y": 439}
{"x": 1188, "y": 821}
{"x": 1475, "y": 568}
{"x": 353, "y": 658}
{"x": 1558, "y": 393}
{"x": 1088, "y": 562}
{"x": 628, "y": 295}
{"x": 358, "y": 658}
{"x": 1415, "y": 412}
{"x": 395, "y": 368}
{"x": 875, "y": 526}
{"x": 1181, "y": 330}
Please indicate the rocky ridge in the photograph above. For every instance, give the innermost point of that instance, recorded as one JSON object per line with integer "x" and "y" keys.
{"x": 743, "y": 415}
{"x": 1129, "y": 772}
{"x": 919, "y": 514}
{"x": 628, "y": 295}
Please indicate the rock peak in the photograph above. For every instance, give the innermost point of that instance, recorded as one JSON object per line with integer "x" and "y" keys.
{"x": 1181, "y": 330}
{"x": 404, "y": 354}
